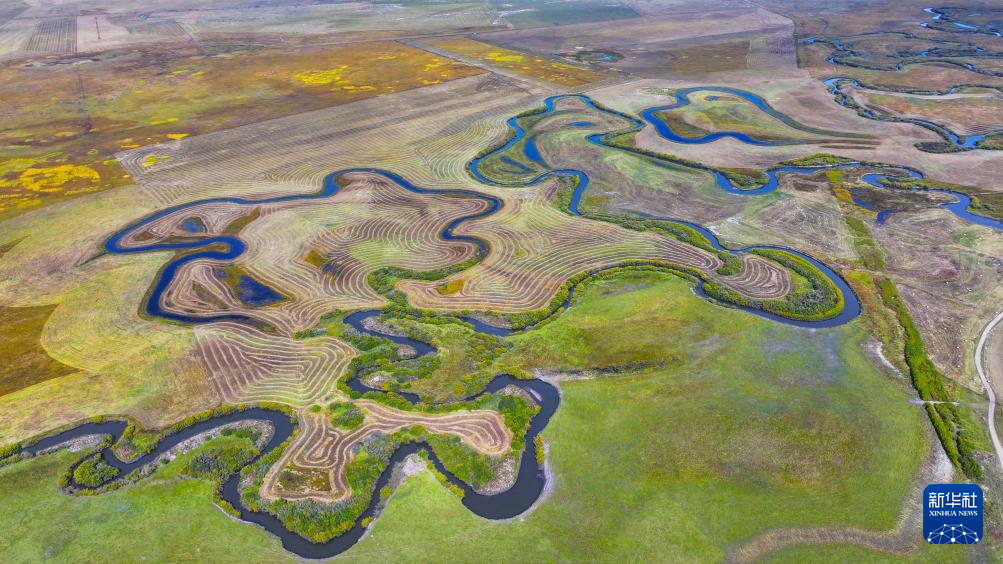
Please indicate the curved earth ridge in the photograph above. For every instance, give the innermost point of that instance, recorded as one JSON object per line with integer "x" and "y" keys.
{"x": 527, "y": 488}
{"x": 966, "y": 142}
{"x": 682, "y": 99}
{"x": 235, "y": 246}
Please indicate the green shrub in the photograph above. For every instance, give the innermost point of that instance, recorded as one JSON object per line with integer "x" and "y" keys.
{"x": 93, "y": 472}
{"x": 217, "y": 461}
{"x": 818, "y": 159}
{"x": 345, "y": 415}
{"x": 10, "y": 450}
{"x": 954, "y": 432}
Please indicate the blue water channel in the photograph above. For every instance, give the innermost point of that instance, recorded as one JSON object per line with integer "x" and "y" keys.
{"x": 682, "y": 99}
{"x": 226, "y": 247}
{"x": 530, "y": 479}
{"x": 526, "y": 489}
{"x": 964, "y": 142}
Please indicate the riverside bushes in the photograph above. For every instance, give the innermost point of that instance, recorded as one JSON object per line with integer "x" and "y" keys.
{"x": 319, "y": 522}
{"x": 345, "y": 415}
{"x": 954, "y": 432}
{"x": 466, "y": 463}
{"x": 216, "y": 461}
{"x": 9, "y": 450}
{"x": 93, "y": 471}
{"x": 818, "y": 159}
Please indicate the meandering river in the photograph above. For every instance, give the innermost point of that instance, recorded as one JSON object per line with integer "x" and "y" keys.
{"x": 530, "y": 480}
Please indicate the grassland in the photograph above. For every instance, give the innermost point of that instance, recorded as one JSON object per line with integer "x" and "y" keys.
{"x": 851, "y": 553}
{"x": 161, "y": 518}
{"x": 519, "y": 62}
{"x": 670, "y": 427}
{"x": 710, "y": 111}
{"x": 63, "y": 145}
{"x": 965, "y": 113}
{"x": 719, "y": 453}
{"x": 23, "y": 360}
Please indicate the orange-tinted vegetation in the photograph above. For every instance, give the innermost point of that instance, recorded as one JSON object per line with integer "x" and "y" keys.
{"x": 23, "y": 361}
{"x": 520, "y": 62}
{"x": 63, "y": 144}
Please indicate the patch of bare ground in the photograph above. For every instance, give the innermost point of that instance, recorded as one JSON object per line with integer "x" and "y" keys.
{"x": 75, "y": 445}
{"x": 904, "y": 538}
{"x": 376, "y": 324}
{"x": 950, "y": 288}
{"x": 875, "y": 352}
{"x": 505, "y": 475}
{"x": 718, "y": 38}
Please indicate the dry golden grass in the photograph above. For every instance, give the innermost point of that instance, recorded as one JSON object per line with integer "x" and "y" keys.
{"x": 520, "y": 62}
{"x": 63, "y": 144}
{"x": 23, "y": 361}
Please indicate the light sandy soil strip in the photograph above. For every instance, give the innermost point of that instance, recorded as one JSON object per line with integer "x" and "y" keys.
{"x": 980, "y": 352}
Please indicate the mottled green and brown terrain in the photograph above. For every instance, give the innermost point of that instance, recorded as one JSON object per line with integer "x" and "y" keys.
{"x": 688, "y": 429}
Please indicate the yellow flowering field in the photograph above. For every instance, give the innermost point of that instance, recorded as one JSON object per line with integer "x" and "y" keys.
{"x": 528, "y": 64}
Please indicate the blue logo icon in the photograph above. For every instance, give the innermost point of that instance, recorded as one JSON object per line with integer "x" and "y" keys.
{"x": 952, "y": 513}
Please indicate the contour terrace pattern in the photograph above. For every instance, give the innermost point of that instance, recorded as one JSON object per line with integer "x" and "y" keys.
{"x": 247, "y": 365}
{"x": 319, "y": 446}
{"x": 316, "y": 253}
{"x": 535, "y": 248}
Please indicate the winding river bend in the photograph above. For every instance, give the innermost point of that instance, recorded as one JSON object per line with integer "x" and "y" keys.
{"x": 527, "y": 488}
{"x": 940, "y": 15}
{"x": 844, "y": 51}
{"x": 959, "y": 208}
{"x": 530, "y": 480}
{"x": 234, "y": 246}
{"x": 964, "y": 142}
{"x": 650, "y": 115}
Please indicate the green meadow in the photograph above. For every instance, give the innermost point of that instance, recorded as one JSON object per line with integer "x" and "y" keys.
{"x": 687, "y": 431}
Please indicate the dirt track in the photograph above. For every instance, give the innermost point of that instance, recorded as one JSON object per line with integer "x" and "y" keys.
{"x": 987, "y": 384}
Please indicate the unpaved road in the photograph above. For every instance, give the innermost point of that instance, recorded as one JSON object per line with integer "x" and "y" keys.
{"x": 979, "y": 354}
